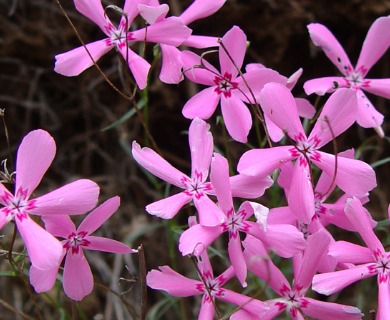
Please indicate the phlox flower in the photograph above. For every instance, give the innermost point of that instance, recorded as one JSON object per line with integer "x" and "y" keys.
{"x": 375, "y": 45}
{"x": 196, "y": 187}
{"x": 226, "y": 86}
{"x": 34, "y": 156}
{"x": 171, "y": 31}
{"x": 197, "y": 238}
{"x": 352, "y": 176}
{"x": 210, "y": 287}
{"x": 292, "y": 299}
{"x": 77, "y": 276}
{"x": 171, "y": 69}
{"x": 373, "y": 260}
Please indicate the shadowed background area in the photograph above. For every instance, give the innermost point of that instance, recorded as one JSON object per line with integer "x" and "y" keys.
{"x": 77, "y": 112}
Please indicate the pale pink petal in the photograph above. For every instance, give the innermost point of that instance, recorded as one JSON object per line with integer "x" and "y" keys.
{"x": 237, "y": 259}
{"x": 322, "y": 37}
{"x": 281, "y": 215}
{"x": 197, "y": 238}
{"x": 168, "y": 207}
{"x": 93, "y": 10}
{"x": 347, "y": 252}
{"x": 4, "y": 195}
{"x": 329, "y": 283}
{"x": 197, "y": 69}
{"x": 201, "y": 42}
{"x": 383, "y": 300}
{"x": 375, "y": 45}
{"x": 172, "y": 282}
{"x": 305, "y": 108}
{"x": 317, "y": 246}
{"x": 354, "y": 177}
{"x": 261, "y": 162}
{"x": 59, "y": 225}
{"x": 357, "y": 214}
{"x": 367, "y": 116}
{"x": 237, "y": 117}
{"x": 337, "y": 115}
{"x": 138, "y": 66}
{"x": 300, "y": 196}
{"x": 207, "y": 309}
{"x": 277, "y": 101}
{"x": 201, "y": 147}
{"x": 153, "y": 14}
{"x": 98, "y": 216}
{"x": 249, "y": 187}
{"x": 35, "y": 154}
{"x": 43, "y": 280}
{"x": 156, "y": 165}
{"x": 251, "y": 83}
{"x": 209, "y": 213}
{"x": 258, "y": 210}
{"x": 170, "y": 31}
{"x": 219, "y": 178}
{"x": 202, "y": 104}
{"x": 3, "y": 218}
{"x": 250, "y": 304}
{"x": 74, "y": 198}
{"x": 275, "y": 133}
{"x": 232, "y": 51}
{"x": 77, "y": 277}
{"x": 293, "y": 79}
{"x": 380, "y": 87}
{"x": 130, "y": 8}
{"x": 44, "y": 250}
{"x": 75, "y": 61}
{"x": 200, "y": 9}
{"x": 320, "y": 86}
{"x": 171, "y": 64}
{"x": 107, "y": 245}
{"x": 330, "y": 311}
{"x": 259, "y": 262}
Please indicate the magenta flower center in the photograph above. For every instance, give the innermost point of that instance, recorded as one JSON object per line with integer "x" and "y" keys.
{"x": 17, "y": 206}
{"x": 118, "y": 36}
{"x": 75, "y": 241}
{"x": 225, "y": 84}
{"x": 235, "y": 222}
{"x": 305, "y": 149}
{"x": 292, "y": 299}
{"x": 196, "y": 187}
{"x": 211, "y": 287}
{"x": 355, "y": 79}
{"x": 382, "y": 266}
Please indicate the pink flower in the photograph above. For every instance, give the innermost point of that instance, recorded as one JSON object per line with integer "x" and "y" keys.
{"x": 170, "y": 31}
{"x": 210, "y": 287}
{"x": 375, "y": 45}
{"x": 35, "y": 154}
{"x": 196, "y": 187}
{"x": 373, "y": 260}
{"x": 226, "y": 86}
{"x": 293, "y": 299}
{"x": 197, "y": 238}
{"x": 171, "y": 69}
{"x": 77, "y": 277}
{"x": 352, "y": 176}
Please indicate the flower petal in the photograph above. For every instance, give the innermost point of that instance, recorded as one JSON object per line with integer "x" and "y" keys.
{"x": 367, "y": 116}
{"x": 347, "y": 252}
{"x": 43, "y": 280}
{"x": 94, "y": 11}
{"x": 74, "y": 198}
{"x": 237, "y": 259}
{"x": 156, "y": 165}
{"x": 320, "y": 86}
{"x": 232, "y": 51}
{"x": 73, "y": 62}
{"x": 172, "y": 282}
{"x": 380, "y": 87}
{"x": 329, "y": 311}
{"x": 44, "y": 250}
{"x": 171, "y": 64}
{"x": 107, "y": 245}
{"x": 201, "y": 147}
{"x": 375, "y": 45}
{"x": 35, "y": 154}
{"x": 249, "y": 187}
{"x": 202, "y": 104}
{"x": 77, "y": 277}
{"x": 59, "y": 225}
{"x": 237, "y": 117}
{"x": 201, "y": 9}
{"x": 153, "y": 14}
{"x": 197, "y": 69}
{"x": 383, "y": 300}
{"x": 209, "y": 213}
{"x": 322, "y": 37}
{"x": 201, "y": 42}
{"x": 168, "y": 207}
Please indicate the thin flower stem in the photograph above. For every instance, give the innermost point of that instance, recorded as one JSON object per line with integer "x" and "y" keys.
{"x": 115, "y": 88}
{"x": 16, "y": 312}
